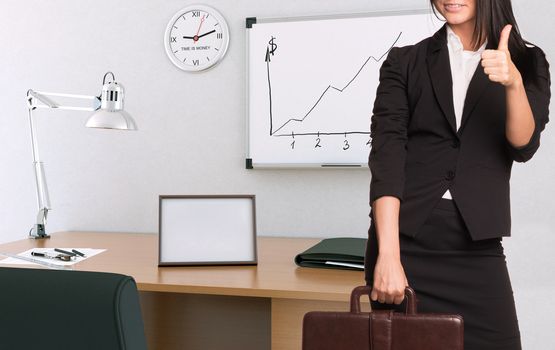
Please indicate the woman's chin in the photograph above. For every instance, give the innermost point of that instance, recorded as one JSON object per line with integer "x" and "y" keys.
{"x": 458, "y": 20}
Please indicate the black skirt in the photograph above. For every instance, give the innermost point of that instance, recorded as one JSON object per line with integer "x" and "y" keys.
{"x": 451, "y": 273}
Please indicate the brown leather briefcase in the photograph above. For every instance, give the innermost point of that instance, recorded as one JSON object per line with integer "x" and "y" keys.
{"x": 382, "y": 329}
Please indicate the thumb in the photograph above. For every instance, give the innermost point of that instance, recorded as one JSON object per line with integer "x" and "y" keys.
{"x": 504, "y": 38}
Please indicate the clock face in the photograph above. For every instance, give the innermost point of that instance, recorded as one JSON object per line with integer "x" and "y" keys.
{"x": 196, "y": 38}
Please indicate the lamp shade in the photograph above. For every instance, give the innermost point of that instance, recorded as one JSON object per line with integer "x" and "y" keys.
{"x": 111, "y": 114}
{"x": 105, "y": 119}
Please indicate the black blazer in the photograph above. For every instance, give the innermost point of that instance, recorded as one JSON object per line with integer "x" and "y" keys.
{"x": 417, "y": 152}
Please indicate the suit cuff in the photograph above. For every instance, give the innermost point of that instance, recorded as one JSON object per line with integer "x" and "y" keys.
{"x": 525, "y": 152}
{"x": 385, "y": 190}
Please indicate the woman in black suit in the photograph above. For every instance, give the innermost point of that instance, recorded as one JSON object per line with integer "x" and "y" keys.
{"x": 452, "y": 113}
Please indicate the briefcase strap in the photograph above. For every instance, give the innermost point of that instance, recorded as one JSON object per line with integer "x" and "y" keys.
{"x": 380, "y": 330}
{"x": 366, "y": 290}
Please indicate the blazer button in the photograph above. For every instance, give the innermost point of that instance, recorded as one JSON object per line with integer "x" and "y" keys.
{"x": 456, "y": 144}
{"x": 450, "y": 175}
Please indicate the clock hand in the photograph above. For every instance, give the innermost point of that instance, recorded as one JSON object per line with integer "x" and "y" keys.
{"x": 210, "y": 32}
{"x": 198, "y": 31}
{"x": 196, "y": 37}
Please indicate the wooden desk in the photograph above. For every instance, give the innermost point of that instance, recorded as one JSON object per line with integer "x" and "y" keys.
{"x": 225, "y": 307}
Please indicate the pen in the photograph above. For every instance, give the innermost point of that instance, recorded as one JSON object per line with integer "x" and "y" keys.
{"x": 64, "y": 252}
{"x": 44, "y": 255}
{"x": 78, "y": 253}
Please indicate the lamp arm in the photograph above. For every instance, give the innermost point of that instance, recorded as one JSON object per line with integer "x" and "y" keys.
{"x": 41, "y": 99}
{"x": 43, "y": 200}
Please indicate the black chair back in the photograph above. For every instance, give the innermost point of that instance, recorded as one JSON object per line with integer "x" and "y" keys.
{"x": 53, "y": 309}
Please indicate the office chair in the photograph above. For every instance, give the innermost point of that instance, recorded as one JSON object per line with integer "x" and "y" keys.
{"x": 53, "y": 309}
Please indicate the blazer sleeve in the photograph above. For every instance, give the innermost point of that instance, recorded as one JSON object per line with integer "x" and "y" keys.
{"x": 539, "y": 95}
{"x": 388, "y": 131}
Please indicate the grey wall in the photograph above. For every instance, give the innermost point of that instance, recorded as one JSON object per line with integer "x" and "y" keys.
{"x": 192, "y": 134}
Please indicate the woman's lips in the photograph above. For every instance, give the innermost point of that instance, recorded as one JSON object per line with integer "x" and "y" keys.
{"x": 453, "y": 8}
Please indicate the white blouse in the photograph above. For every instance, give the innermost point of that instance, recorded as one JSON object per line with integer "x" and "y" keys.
{"x": 463, "y": 65}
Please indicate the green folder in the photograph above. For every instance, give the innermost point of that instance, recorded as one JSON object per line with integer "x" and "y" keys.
{"x": 334, "y": 253}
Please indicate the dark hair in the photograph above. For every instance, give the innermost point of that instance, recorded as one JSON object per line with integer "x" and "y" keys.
{"x": 491, "y": 17}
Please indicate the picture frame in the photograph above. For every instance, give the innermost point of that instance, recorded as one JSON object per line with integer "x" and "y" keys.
{"x": 207, "y": 230}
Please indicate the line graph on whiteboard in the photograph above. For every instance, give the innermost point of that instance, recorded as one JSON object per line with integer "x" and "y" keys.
{"x": 312, "y": 83}
{"x": 307, "y": 123}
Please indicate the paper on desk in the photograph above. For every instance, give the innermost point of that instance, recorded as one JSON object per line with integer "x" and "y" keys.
{"x": 89, "y": 252}
{"x": 337, "y": 263}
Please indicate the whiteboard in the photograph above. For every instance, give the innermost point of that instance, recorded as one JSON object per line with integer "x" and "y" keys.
{"x": 312, "y": 82}
{"x": 207, "y": 230}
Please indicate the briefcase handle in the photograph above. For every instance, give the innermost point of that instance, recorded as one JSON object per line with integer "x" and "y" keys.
{"x": 365, "y": 290}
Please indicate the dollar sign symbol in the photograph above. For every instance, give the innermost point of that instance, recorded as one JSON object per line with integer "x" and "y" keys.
{"x": 273, "y": 46}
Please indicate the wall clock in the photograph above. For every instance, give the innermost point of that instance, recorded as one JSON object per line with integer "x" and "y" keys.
{"x": 196, "y": 38}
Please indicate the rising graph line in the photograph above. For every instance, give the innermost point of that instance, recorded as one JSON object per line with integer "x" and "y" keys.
{"x": 300, "y": 120}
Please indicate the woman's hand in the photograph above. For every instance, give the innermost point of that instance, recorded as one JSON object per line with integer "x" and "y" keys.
{"x": 500, "y": 68}
{"x": 498, "y": 64}
{"x": 389, "y": 280}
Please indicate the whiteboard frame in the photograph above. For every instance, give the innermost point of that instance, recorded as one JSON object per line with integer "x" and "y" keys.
{"x": 188, "y": 262}
{"x": 249, "y": 163}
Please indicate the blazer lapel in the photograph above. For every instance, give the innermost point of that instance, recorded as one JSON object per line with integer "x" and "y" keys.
{"x": 439, "y": 68}
{"x": 475, "y": 90}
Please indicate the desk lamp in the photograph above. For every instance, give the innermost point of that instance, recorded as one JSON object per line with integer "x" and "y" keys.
{"x": 108, "y": 114}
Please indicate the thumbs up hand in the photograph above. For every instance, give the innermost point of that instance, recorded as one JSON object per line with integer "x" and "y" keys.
{"x": 498, "y": 64}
